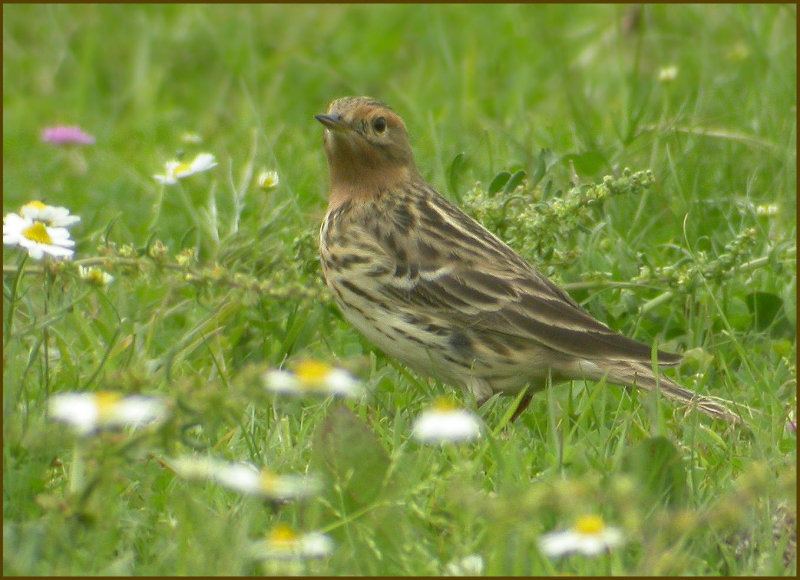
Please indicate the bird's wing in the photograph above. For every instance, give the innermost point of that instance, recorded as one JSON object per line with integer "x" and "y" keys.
{"x": 530, "y": 307}
{"x": 450, "y": 267}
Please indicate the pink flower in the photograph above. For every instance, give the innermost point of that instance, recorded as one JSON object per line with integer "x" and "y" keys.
{"x": 63, "y": 135}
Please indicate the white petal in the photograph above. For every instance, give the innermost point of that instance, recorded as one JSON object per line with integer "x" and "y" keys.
{"x": 434, "y": 426}
{"x": 165, "y": 179}
{"x": 134, "y": 410}
{"x": 14, "y": 224}
{"x": 316, "y": 545}
{"x": 11, "y": 238}
{"x": 53, "y": 216}
{"x": 559, "y": 543}
{"x": 340, "y": 382}
{"x": 78, "y": 409}
{"x": 279, "y": 381}
{"x": 193, "y": 468}
{"x": 60, "y": 236}
{"x": 290, "y": 487}
{"x": 203, "y": 162}
{"x": 240, "y": 477}
{"x": 471, "y": 565}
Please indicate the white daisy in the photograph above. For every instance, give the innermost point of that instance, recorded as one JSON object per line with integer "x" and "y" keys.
{"x": 283, "y": 543}
{"x": 175, "y": 170}
{"x": 668, "y": 73}
{"x": 313, "y": 377}
{"x": 471, "y": 565}
{"x": 590, "y": 537}
{"x": 245, "y": 478}
{"x": 767, "y": 210}
{"x": 95, "y": 276}
{"x": 445, "y": 422}
{"x": 267, "y": 180}
{"x": 52, "y": 216}
{"x": 36, "y": 237}
{"x": 90, "y": 412}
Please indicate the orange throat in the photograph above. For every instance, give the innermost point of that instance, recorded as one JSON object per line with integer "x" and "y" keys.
{"x": 362, "y": 184}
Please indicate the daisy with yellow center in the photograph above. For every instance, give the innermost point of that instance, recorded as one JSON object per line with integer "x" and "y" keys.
{"x": 444, "y": 422}
{"x": 267, "y": 180}
{"x": 36, "y": 237}
{"x": 40, "y": 229}
{"x": 590, "y": 537}
{"x": 95, "y": 276}
{"x": 769, "y": 210}
{"x": 175, "y": 170}
{"x": 313, "y": 377}
{"x": 245, "y": 478}
{"x": 87, "y": 413}
{"x": 51, "y": 216}
{"x": 284, "y": 543}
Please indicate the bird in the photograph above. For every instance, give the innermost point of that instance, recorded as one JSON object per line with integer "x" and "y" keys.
{"x": 433, "y": 288}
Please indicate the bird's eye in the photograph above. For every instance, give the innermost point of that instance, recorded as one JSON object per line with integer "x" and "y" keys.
{"x": 379, "y": 125}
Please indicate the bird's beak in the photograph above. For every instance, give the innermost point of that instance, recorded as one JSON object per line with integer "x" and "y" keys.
{"x": 333, "y": 122}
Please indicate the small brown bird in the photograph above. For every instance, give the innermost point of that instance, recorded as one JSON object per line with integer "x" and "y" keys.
{"x": 434, "y": 289}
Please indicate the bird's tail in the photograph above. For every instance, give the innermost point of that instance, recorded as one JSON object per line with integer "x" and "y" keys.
{"x": 641, "y": 376}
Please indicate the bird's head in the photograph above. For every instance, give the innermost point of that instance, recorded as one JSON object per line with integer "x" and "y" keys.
{"x": 367, "y": 146}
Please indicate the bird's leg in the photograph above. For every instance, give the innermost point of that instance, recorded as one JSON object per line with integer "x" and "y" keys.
{"x": 523, "y": 404}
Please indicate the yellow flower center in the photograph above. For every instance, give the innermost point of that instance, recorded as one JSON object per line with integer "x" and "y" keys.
{"x": 589, "y": 525}
{"x": 312, "y": 371}
{"x": 267, "y": 180}
{"x": 106, "y": 400}
{"x": 282, "y": 535}
{"x": 181, "y": 169}
{"x": 36, "y": 204}
{"x": 267, "y": 479}
{"x": 444, "y": 404}
{"x": 95, "y": 276}
{"x": 37, "y": 233}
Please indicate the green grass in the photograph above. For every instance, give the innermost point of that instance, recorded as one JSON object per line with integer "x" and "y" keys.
{"x": 499, "y": 84}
